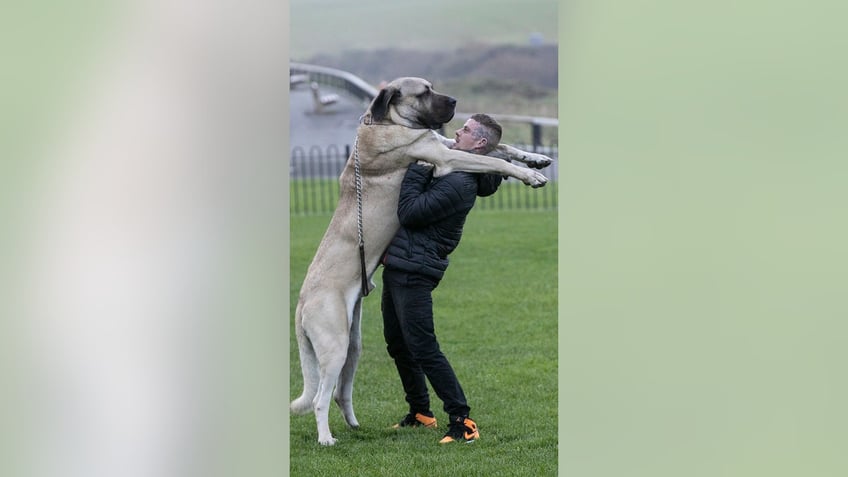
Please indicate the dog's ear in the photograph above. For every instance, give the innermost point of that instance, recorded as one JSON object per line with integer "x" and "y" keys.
{"x": 380, "y": 105}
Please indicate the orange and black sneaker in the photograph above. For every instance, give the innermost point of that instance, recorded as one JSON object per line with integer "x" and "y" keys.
{"x": 462, "y": 429}
{"x": 416, "y": 420}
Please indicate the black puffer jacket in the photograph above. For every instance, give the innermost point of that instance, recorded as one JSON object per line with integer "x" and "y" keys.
{"x": 432, "y": 212}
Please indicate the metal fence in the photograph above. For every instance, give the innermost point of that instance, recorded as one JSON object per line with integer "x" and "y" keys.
{"x": 314, "y": 174}
{"x": 338, "y": 79}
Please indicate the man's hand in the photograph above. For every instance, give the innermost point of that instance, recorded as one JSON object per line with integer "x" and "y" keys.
{"x": 432, "y": 169}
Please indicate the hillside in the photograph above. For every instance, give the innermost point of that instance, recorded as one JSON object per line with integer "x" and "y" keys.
{"x": 502, "y": 79}
{"x": 533, "y": 66}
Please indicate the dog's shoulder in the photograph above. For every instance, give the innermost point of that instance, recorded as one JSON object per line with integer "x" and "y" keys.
{"x": 380, "y": 138}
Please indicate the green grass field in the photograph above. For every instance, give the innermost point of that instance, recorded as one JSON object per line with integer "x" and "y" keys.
{"x": 496, "y": 318}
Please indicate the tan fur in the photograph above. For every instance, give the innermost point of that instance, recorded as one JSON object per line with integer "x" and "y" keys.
{"x": 396, "y": 133}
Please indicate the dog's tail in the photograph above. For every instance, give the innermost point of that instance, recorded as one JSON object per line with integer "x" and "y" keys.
{"x": 309, "y": 367}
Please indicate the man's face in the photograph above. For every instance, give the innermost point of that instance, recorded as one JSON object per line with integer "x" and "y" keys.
{"x": 466, "y": 139}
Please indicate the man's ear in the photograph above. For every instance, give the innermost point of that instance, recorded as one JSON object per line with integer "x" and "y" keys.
{"x": 380, "y": 106}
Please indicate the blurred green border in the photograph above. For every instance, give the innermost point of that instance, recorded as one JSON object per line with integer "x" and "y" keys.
{"x": 702, "y": 234}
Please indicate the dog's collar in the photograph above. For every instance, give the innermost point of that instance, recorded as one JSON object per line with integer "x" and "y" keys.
{"x": 367, "y": 120}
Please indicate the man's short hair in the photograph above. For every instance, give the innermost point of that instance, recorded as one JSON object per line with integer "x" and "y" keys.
{"x": 489, "y": 129}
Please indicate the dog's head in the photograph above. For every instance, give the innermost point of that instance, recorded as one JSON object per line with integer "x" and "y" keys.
{"x": 412, "y": 102}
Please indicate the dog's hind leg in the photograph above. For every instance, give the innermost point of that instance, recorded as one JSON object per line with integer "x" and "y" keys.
{"x": 344, "y": 390}
{"x": 308, "y": 366}
{"x": 330, "y": 335}
{"x": 331, "y": 367}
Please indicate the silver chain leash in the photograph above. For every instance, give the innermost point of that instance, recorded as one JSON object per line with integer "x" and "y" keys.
{"x": 357, "y": 179}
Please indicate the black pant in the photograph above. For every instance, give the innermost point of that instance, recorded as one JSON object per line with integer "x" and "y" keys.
{"x": 411, "y": 341}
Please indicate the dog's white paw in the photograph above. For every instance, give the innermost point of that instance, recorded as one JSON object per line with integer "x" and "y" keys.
{"x": 327, "y": 441}
{"x": 535, "y": 179}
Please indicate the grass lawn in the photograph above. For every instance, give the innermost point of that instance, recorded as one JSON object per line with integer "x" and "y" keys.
{"x": 496, "y": 320}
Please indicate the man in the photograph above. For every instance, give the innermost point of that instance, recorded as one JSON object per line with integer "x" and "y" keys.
{"x": 432, "y": 212}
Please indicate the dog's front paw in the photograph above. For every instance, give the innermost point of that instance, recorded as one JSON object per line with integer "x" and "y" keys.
{"x": 537, "y": 161}
{"x": 327, "y": 441}
{"x": 535, "y": 179}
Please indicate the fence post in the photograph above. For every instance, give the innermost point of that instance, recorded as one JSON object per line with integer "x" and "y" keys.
{"x": 537, "y": 136}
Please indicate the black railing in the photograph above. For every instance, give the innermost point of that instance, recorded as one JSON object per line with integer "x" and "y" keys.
{"x": 314, "y": 175}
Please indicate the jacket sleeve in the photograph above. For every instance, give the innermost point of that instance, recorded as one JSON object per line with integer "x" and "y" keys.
{"x": 487, "y": 184}
{"x": 419, "y": 206}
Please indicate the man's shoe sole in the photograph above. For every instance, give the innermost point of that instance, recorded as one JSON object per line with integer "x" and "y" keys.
{"x": 468, "y": 438}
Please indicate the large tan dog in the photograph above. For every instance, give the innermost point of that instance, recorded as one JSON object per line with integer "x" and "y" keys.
{"x": 396, "y": 131}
